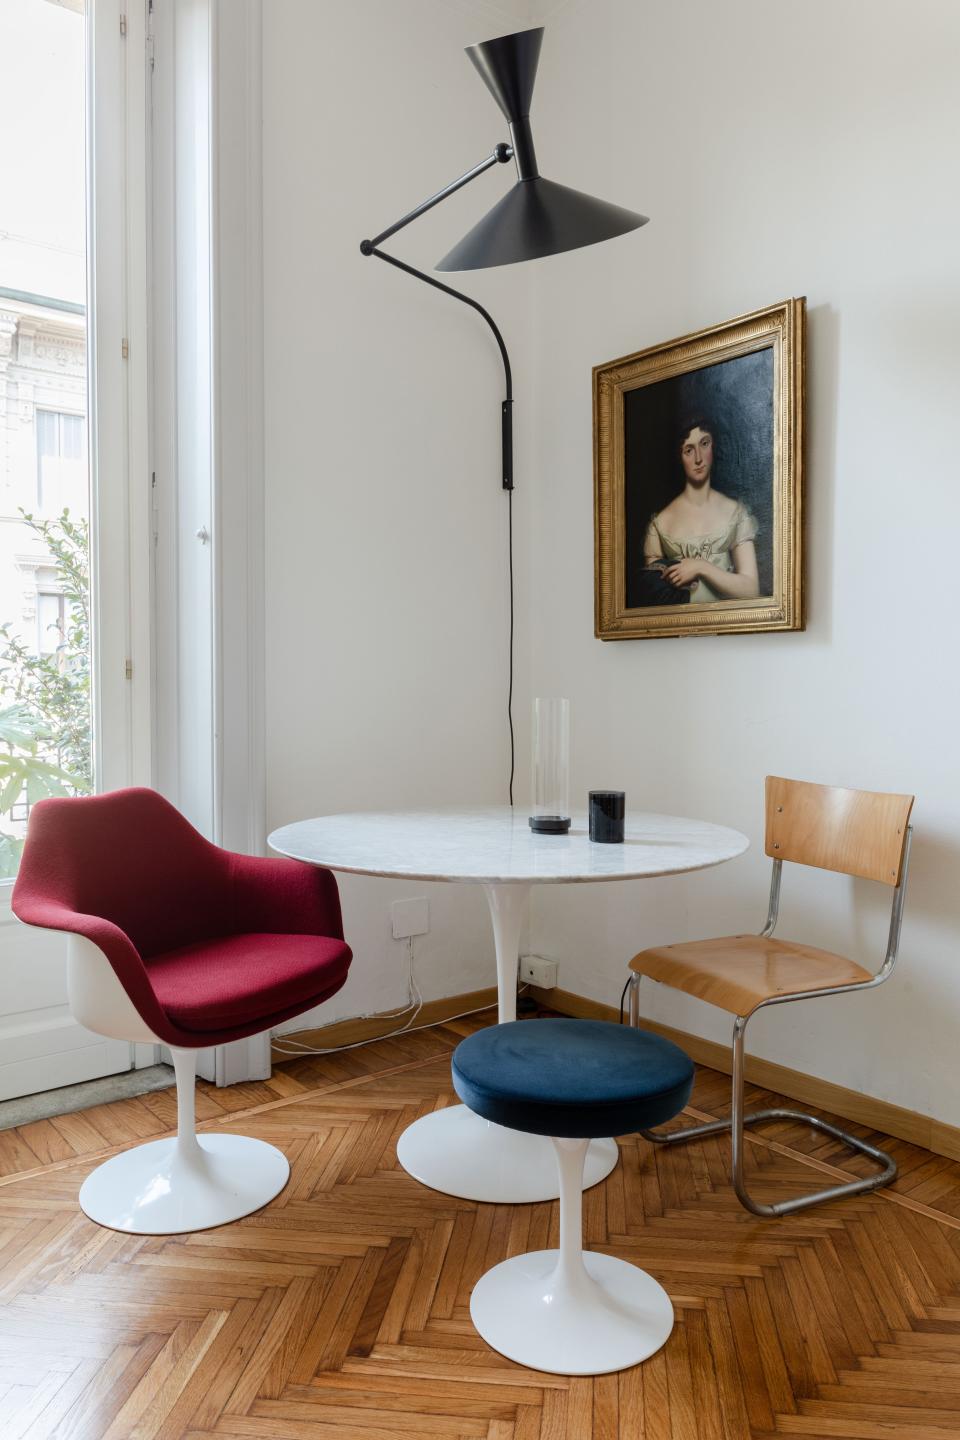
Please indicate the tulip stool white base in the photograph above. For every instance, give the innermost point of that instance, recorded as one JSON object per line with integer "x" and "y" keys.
{"x": 461, "y": 1154}
{"x": 566, "y": 1312}
{"x": 614, "y": 1316}
{"x": 173, "y": 1186}
{"x": 158, "y": 1189}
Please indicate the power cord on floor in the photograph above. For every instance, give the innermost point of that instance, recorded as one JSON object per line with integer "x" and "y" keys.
{"x": 284, "y": 1045}
{"x": 414, "y": 1003}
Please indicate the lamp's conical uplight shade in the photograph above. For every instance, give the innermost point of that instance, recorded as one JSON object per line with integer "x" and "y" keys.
{"x": 508, "y": 68}
{"x": 537, "y": 217}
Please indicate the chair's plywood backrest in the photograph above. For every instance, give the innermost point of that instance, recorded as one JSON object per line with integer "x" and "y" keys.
{"x": 855, "y": 832}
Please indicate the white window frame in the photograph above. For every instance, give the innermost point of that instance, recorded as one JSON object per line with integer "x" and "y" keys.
{"x": 207, "y": 440}
{"x": 117, "y": 314}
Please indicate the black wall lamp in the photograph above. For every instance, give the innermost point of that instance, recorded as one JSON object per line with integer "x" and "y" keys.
{"x": 536, "y": 217}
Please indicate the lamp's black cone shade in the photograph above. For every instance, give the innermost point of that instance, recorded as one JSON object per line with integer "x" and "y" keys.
{"x": 537, "y": 217}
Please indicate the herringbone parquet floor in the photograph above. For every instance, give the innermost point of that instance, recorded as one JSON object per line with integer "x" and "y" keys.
{"x": 340, "y": 1312}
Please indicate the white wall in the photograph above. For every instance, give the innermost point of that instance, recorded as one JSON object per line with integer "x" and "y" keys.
{"x": 385, "y": 520}
{"x": 780, "y": 149}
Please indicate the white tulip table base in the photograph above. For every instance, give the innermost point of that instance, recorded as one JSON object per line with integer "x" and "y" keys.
{"x": 459, "y": 1153}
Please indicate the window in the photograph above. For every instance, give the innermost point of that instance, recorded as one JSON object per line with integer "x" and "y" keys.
{"x": 75, "y": 543}
{"x": 45, "y": 709}
{"x": 51, "y": 622}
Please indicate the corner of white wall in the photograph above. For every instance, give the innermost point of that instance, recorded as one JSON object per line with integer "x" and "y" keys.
{"x": 761, "y": 185}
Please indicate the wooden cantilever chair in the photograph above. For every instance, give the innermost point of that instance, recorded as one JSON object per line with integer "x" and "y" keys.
{"x": 852, "y": 832}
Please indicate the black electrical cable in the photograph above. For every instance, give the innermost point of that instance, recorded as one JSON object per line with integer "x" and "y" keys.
{"x": 369, "y": 248}
{"x": 623, "y": 996}
{"x": 510, "y": 685}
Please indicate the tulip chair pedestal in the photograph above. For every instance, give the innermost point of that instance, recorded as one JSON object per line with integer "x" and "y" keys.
{"x": 186, "y": 1183}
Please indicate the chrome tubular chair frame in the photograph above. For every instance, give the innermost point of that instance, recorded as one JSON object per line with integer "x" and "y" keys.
{"x": 740, "y": 1120}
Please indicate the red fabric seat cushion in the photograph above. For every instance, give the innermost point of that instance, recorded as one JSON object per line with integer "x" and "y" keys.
{"x": 240, "y": 979}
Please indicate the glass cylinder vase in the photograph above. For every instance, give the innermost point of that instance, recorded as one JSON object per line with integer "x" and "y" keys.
{"x": 551, "y": 767}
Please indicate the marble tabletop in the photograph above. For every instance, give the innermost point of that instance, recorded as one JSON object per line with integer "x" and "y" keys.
{"x": 497, "y": 846}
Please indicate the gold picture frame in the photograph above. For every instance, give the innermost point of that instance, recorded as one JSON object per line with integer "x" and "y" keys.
{"x": 652, "y": 481}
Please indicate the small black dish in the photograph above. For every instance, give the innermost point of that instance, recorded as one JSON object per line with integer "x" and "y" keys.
{"x": 550, "y": 824}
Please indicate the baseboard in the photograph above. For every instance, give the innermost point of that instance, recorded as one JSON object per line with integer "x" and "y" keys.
{"x": 378, "y": 1027}
{"x": 880, "y": 1115}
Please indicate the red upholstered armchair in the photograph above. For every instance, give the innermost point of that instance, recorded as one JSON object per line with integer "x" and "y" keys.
{"x": 172, "y": 939}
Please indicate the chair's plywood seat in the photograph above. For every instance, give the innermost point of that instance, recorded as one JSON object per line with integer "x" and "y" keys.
{"x": 738, "y": 972}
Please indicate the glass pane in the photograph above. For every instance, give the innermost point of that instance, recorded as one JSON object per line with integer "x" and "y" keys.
{"x": 45, "y": 728}
{"x": 61, "y": 463}
{"x": 51, "y": 627}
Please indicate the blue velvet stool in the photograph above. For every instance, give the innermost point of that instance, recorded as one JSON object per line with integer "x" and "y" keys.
{"x": 574, "y": 1080}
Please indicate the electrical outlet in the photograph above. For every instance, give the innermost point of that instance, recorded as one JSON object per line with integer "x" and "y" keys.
{"x": 534, "y": 970}
{"x": 410, "y": 917}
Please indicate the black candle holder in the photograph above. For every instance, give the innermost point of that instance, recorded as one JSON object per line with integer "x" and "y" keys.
{"x": 606, "y": 816}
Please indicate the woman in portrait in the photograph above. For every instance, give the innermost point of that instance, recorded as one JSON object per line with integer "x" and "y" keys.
{"x": 702, "y": 543}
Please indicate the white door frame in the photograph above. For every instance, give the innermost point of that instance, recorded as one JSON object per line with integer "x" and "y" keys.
{"x": 207, "y": 432}
{"x": 238, "y": 445}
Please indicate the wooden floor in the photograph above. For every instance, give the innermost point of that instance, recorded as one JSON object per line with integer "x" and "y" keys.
{"x": 340, "y": 1312}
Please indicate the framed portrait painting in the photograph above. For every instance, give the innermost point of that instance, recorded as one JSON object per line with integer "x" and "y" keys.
{"x": 698, "y": 478}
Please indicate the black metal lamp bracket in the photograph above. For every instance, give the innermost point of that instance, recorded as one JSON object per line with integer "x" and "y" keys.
{"x": 500, "y": 156}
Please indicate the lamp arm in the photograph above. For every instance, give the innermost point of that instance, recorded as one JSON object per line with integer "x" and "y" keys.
{"x": 500, "y": 156}
{"x": 506, "y": 410}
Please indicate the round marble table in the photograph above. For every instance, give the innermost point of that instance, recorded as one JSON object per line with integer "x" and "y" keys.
{"x": 454, "y": 1150}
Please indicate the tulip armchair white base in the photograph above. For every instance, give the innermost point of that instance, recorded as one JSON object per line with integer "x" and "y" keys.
{"x": 169, "y": 1187}
{"x": 191, "y": 1182}
{"x": 172, "y": 1186}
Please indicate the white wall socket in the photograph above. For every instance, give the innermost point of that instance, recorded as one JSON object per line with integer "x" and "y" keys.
{"x": 410, "y": 917}
{"x": 534, "y": 970}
